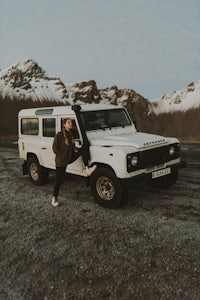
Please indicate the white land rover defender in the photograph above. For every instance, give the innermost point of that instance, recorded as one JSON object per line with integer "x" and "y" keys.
{"x": 120, "y": 152}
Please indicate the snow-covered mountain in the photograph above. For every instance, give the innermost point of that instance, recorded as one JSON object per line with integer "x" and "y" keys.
{"x": 182, "y": 100}
{"x": 25, "y": 84}
{"x": 27, "y": 80}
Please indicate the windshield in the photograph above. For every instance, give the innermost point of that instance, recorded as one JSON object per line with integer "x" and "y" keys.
{"x": 103, "y": 119}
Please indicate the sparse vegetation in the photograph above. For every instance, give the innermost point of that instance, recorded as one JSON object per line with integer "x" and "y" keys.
{"x": 10, "y": 109}
{"x": 183, "y": 125}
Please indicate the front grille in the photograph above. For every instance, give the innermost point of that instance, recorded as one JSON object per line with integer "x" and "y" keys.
{"x": 155, "y": 157}
{"x": 150, "y": 158}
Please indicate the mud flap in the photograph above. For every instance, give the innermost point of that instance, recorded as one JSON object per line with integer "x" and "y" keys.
{"x": 24, "y": 168}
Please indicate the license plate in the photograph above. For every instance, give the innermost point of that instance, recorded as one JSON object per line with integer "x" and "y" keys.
{"x": 161, "y": 173}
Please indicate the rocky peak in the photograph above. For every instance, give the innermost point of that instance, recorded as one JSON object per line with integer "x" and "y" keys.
{"x": 20, "y": 74}
{"x": 30, "y": 68}
{"x": 26, "y": 80}
{"x": 84, "y": 92}
{"x": 87, "y": 92}
{"x": 137, "y": 105}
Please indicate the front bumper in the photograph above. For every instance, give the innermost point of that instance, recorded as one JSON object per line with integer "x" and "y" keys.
{"x": 129, "y": 181}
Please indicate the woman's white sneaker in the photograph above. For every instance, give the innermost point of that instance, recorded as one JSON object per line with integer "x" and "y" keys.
{"x": 54, "y": 202}
{"x": 90, "y": 170}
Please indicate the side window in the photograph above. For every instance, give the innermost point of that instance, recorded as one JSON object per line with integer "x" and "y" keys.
{"x": 49, "y": 127}
{"x": 30, "y": 126}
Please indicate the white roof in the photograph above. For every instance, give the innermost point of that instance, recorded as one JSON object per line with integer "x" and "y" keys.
{"x": 62, "y": 110}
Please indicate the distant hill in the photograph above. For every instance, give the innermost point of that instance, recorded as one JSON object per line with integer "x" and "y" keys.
{"x": 186, "y": 99}
{"x": 178, "y": 113}
{"x": 25, "y": 84}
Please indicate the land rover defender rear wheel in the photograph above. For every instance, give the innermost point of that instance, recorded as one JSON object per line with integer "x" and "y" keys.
{"x": 38, "y": 175}
{"x": 106, "y": 188}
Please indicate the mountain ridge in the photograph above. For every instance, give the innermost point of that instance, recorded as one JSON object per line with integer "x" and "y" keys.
{"x": 25, "y": 84}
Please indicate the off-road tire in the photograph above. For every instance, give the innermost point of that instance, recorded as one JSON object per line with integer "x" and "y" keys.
{"x": 106, "y": 188}
{"x": 38, "y": 174}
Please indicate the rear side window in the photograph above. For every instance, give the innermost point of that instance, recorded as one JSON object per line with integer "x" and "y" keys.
{"x": 30, "y": 126}
{"x": 49, "y": 127}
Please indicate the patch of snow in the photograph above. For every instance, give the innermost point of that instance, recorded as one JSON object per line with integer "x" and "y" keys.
{"x": 181, "y": 100}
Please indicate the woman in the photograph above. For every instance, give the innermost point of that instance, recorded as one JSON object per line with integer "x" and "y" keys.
{"x": 63, "y": 146}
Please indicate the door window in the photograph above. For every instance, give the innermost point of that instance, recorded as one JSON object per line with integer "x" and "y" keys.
{"x": 49, "y": 127}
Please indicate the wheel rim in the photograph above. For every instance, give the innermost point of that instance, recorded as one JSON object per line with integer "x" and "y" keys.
{"x": 105, "y": 188}
{"x": 34, "y": 171}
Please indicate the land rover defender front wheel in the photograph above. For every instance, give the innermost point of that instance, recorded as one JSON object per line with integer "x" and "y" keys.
{"x": 38, "y": 174}
{"x": 106, "y": 188}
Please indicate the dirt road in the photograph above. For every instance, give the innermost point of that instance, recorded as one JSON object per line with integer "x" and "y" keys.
{"x": 148, "y": 249}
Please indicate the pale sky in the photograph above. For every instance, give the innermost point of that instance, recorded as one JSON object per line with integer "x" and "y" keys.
{"x": 151, "y": 46}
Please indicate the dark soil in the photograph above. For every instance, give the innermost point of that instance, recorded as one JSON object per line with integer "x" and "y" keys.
{"x": 147, "y": 249}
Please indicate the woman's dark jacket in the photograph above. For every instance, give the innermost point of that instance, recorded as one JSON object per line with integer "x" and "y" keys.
{"x": 63, "y": 146}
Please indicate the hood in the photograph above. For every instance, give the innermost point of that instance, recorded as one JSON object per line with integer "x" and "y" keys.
{"x": 134, "y": 139}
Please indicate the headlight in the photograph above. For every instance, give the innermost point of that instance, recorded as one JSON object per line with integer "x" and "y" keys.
{"x": 171, "y": 151}
{"x": 134, "y": 160}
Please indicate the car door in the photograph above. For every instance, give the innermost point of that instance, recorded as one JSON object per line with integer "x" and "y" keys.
{"x": 76, "y": 166}
{"x": 49, "y": 126}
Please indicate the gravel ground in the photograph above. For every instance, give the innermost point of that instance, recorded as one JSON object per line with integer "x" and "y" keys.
{"x": 147, "y": 249}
